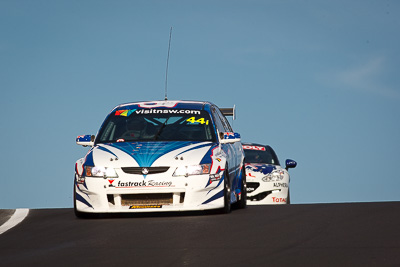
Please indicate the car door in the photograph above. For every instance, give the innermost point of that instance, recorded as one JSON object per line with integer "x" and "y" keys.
{"x": 233, "y": 150}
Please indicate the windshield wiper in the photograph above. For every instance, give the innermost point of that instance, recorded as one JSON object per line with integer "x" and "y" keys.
{"x": 161, "y": 128}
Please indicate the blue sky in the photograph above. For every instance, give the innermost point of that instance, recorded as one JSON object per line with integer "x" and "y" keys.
{"x": 316, "y": 80}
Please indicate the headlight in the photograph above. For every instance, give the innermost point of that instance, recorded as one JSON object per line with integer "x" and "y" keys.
{"x": 275, "y": 175}
{"x": 94, "y": 171}
{"x": 192, "y": 170}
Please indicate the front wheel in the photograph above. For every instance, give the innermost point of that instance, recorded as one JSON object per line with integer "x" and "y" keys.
{"x": 227, "y": 193}
{"x": 242, "y": 203}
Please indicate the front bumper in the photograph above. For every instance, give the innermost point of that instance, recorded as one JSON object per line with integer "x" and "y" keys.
{"x": 151, "y": 193}
{"x": 263, "y": 193}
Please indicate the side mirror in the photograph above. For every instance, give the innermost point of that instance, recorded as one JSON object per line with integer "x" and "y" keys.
{"x": 290, "y": 164}
{"x": 85, "y": 140}
{"x": 229, "y": 137}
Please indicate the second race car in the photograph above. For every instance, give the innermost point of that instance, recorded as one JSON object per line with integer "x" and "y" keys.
{"x": 267, "y": 181}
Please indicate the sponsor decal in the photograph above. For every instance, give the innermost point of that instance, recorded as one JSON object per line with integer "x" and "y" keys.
{"x": 111, "y": 182}
{"x": 124, "y": 112}
{"x": 193, "y": 120}
{"x": 168, "y": 111}
{"x": 80, "y": 180}
{"x": 259, "y": 148}
{"x": 275, "y": 175}
{"x": 214, "y": 178}
{"x": 278, "y": 200}
{"x": 160, "y": 184}
{"x": 280, "y": 185}
{"x": 150, "y": 183}
{"x": 145, "y": 207}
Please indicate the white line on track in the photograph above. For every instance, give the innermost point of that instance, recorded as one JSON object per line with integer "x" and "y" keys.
{"x": 18, "y": 216}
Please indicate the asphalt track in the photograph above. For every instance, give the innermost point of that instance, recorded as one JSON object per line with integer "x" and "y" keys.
{"x": 348, "y": 234}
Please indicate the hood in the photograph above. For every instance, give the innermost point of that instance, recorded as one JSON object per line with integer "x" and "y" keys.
{"x": 259, "y": 168}
{"x": 147, "y": 154}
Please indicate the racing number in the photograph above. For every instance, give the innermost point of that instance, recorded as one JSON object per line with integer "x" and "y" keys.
{"x": 200, "y": 120}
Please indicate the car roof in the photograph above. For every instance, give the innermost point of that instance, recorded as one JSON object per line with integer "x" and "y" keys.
{"x": 178, "y": 104}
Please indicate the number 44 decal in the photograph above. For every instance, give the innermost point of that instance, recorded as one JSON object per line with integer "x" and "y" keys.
{"x": 200, "y": 120}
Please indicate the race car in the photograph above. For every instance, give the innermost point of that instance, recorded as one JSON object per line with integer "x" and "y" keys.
{"x": 267, "y": 181}
{"x": 161, "y": 156}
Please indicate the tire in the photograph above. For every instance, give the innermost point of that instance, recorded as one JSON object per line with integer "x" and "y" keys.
{"x": 242, "y": 203}
{"x": 227, "y": 193}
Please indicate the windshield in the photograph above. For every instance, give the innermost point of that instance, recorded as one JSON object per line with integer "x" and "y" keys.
{"x": 157, "y": 125}
{"x": 260, "y": 154}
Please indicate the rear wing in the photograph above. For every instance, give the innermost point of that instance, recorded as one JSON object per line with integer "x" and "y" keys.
{"x": 229, "y": 111}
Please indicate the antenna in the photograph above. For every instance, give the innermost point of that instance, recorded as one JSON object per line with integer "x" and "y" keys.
{"x": 166, "y": 71}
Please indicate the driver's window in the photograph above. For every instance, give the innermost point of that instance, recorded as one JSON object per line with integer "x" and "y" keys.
{"x": 217, "y": 120}
{"x": 224, "y": 121}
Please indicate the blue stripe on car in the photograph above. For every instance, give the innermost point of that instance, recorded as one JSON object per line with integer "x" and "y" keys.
{"x": 264, "y": 169}
{"x": 106, "y": 150}
{"x": 216, "y": 196}
{"x": 81, "y": 199}
{"x": 207, "y": 157}
{"x": 146, "y": 153}
{"x": 197, "y": 147}
{"x": 88, "y": 161}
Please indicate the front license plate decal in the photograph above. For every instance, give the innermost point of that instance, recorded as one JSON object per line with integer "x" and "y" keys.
{"x": 145, "y": 207}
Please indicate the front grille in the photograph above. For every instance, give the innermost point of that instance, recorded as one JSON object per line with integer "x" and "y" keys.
{"x": 138, "y": 170}
{"x": 146, "y": 199}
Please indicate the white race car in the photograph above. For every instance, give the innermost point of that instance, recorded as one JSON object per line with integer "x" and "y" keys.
{"x": 161, "y": 156}
{"x": 267, "y": 181}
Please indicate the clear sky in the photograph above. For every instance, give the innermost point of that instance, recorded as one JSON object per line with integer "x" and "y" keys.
{"x": 316, "y": 80}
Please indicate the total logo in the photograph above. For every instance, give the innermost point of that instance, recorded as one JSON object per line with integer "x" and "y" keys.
{"x": 278, "y": 200}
